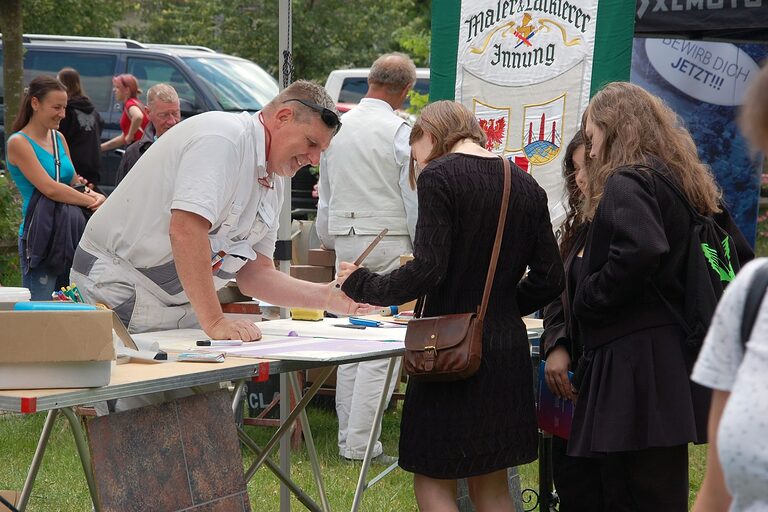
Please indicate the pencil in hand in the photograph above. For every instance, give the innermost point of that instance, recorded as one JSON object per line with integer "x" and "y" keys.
{"x": 368, "y": 250}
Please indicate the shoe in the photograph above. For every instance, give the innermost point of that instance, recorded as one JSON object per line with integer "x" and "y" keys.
{"x": 381, "y": 459}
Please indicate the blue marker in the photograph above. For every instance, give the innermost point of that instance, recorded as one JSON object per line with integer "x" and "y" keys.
{"x": 364, "y": 321}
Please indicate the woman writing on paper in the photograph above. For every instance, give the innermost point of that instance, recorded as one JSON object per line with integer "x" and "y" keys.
{"x": 32, "y": 164}
{"x": 577, "y": 479}
{"x": 477, "y": 427}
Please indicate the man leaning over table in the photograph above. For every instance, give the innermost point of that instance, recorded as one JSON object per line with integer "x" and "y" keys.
{"x": 201, "y": 207}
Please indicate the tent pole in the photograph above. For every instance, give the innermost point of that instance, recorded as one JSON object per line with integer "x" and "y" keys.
{"x": 284, "y": 240}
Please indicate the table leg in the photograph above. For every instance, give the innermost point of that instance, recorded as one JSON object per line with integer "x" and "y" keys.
{"x": 85, "y": 455}
{"x": 42, "y": 443}
{"x": 372, "y": 438}
{"x": 310, "y": 445}
{"x": 286, "y": 423}
{"x": 237, "y": 395}
{"x": 285, "y": 441}
{"x": 301, "y": 495}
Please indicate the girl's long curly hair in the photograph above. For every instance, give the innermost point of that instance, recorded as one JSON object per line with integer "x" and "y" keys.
{"x": 639, "y": 127}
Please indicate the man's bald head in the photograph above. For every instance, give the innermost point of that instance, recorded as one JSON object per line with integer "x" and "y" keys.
{"x": 393, "y": 72}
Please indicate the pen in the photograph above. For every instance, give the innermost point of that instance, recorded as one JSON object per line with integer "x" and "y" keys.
{"x": 364, "y": 322}
{"x": 219, "y": 343}
{"x": 67, "y": 294}
{"x": 368, "y": 250}
{"x": 77, "y": 293}
{"x": 217, "y": 260}
{"x": 350, "y": 326}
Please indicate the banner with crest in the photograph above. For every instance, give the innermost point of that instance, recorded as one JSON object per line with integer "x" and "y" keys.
{"x": 525, "y": 68}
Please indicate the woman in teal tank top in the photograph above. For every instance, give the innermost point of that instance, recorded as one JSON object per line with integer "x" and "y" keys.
{"x": 30, "y": 158}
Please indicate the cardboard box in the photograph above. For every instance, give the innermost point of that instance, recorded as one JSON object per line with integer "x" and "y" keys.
{"x": 231, "y": 293}
{"x": 314, "y": 373}
{"x": 312, "y": 273}
{"x": 321, "y": 257}
{"x": 55, "y": 349}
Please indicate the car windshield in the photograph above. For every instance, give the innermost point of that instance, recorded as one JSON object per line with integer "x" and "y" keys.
{"x": 238, "y": 84}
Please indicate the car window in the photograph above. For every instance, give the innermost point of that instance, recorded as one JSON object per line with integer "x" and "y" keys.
{"x": 353, "y": 89}
{"x": 422, "y": 86}
{"x": 237, "y": 84}
{"x": 95, "y": 70}
{"x": 154, "y": 71}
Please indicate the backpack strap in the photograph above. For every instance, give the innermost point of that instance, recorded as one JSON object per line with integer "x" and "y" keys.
{"x": 503, "y": 212}
{"x": 672, "y": 185}
{"x": 689, "y": 331}
{"x": 752, "y": 304}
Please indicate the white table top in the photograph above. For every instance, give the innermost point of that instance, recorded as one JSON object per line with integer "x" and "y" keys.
{"x": 132, "y": 379}
{"x": 335, "y": 345}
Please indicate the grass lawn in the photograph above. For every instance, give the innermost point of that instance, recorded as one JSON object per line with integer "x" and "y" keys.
{"x": 61, "y": 484}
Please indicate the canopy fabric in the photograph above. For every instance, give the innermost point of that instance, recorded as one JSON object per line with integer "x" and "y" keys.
{"x": 743, "y": 20}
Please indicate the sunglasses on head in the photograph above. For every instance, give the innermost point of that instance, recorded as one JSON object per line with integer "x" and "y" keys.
{"x": 328, "y": 116}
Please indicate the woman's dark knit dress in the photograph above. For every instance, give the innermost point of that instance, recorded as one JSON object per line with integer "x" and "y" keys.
{"x": 486, "y": 422}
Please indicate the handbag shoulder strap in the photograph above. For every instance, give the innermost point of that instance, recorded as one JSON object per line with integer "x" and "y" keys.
{"x": 422, "y": 302}
{"x": 56, "y": 160}
{"x": 497, "y": 242}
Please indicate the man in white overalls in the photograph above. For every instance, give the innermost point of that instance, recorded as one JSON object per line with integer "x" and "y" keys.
{"x": 200, "y": 208}
{"x": 364, "y": 188}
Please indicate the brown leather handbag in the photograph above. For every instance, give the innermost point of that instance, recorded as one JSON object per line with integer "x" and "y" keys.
{"x": 449, "y": 347}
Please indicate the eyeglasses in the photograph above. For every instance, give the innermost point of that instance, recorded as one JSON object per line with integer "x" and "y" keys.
{"x": 328, "y": 116}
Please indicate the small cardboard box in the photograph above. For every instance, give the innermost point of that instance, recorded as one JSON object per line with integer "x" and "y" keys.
{"x": 314, "y": 373}
{"x": 55, "y": 349}
{"x": 321, "y": 257}
{"x": 312, "y": 273}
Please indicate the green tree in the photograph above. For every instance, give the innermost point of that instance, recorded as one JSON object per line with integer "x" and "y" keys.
{"x": 10, "y": 204}
{"x": 75, "y": 17}
{"x": 11, "y": 24}
{"x": 327, "y": 34}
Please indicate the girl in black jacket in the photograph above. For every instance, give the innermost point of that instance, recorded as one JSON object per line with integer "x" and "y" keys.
{"x": 81, "y": 128}
{"x": 636, "y": 407}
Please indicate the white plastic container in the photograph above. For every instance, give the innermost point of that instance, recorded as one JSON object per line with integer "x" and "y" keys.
{"x": 10, "y": 296}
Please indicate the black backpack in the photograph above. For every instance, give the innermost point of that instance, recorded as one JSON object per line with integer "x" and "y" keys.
{"x": 752, "y": 304}
{"x": 711, "y": 263}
